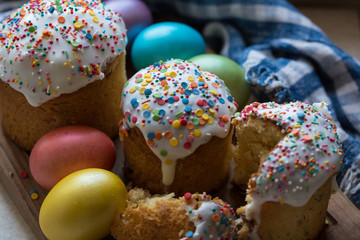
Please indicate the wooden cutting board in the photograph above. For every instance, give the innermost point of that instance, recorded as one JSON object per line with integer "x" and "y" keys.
{"x": 343, "y": 217}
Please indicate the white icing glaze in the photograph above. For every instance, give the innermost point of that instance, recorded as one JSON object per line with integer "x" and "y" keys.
{"x": 45, "y": 58}
{"x": 334, "y": 185}
{"x": 213, "y": 221}
{"x": 301, "y": 162}
{"x": 323, "y": 109}
{"x": 177, "y": 107}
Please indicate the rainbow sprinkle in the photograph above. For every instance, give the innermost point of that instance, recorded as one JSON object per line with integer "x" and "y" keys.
{"x": 304, "y": 159}
{"x": 212, "y": 220}
{"x": 178, "y": 107}
{"x": 56, "y": 47}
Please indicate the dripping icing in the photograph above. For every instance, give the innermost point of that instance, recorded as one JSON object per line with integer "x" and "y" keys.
{"x": 177, "y": 107}
{"x": 301, "y": 162}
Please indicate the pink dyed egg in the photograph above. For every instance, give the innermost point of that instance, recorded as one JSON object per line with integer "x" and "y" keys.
{"x": 135, "y": 13}
{"x": 69, "y": 149}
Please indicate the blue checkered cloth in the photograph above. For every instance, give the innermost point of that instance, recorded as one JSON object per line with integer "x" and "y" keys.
{"x": 286, "y": 57}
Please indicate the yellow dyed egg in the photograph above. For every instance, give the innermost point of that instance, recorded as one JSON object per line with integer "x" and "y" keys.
{"x": 83, "y": 205}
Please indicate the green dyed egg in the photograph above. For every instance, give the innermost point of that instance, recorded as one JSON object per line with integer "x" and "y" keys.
{"x": 227, "y": 70}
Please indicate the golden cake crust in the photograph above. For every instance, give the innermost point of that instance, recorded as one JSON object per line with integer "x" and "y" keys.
{"x": 204, "y": 170}
{"x": 283, "y": 155}
{"x": 162, "y": 218}
{"x": 95, "y": 105}
{"x": 177, "y": 131}
{"x": 283, "y": 221}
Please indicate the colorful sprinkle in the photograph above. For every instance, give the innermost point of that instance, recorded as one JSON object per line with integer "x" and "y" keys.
{"x": 168, "y": 162}
{"x": 297, "y": 166}
{"x": 66, "y": 40}
{"x": 197, "y": 133}
{"x": 78, "y": 25}
{"x": 32, "y": 29}
{"x": 96, "y": 19}
{"x": 61, "y": 19}
{"x": 34, "y": 194}
{"x": 174, "y": 142}
{"x": 176, "y": 124}
{"x": 163, "y": 153}
{"x": 212, "y": 220}
{"x": 187, "y": 196}
{"x": 179, "y": 107}
{"x": 23, "y": 174}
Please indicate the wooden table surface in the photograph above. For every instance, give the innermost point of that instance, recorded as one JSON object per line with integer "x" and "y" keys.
{"x": 341, "y": 25}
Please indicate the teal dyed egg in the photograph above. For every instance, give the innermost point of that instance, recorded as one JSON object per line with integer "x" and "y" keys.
{"x": 166, "y": 40}
{"x": 229, "y": 71}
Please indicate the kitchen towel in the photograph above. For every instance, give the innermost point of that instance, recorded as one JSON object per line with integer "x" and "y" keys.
{"x": 286, "y": 57}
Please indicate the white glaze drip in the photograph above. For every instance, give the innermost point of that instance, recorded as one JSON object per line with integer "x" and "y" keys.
{"x": 168, "y": 172}
{"x": 334, "y": 186}
{"x": 301, "y": 162}
{"x": 213, "y": 220}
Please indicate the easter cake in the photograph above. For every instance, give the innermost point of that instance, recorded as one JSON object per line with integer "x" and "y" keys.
{"x": 62, "y": 63}
{"x": 176, "y": 131}
{"x": 163, "y": 217}
{"x": 288, "y": 155}
{"x": 65, "y": 65}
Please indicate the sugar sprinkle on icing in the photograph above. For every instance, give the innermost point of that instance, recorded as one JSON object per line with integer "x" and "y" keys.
{"x": 302, "y": 161}
{"x": 212, "y": 220}
{"x": 59, "y": 46}
{"x": 177, "y": 107}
